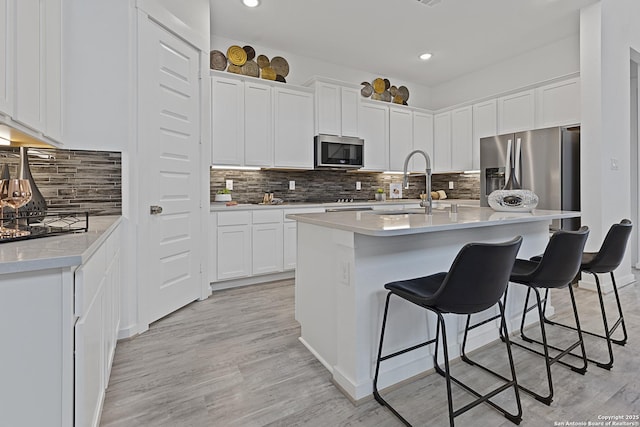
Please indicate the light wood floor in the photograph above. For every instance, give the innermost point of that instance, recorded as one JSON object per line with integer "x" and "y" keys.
{"x": 235, "y": 360}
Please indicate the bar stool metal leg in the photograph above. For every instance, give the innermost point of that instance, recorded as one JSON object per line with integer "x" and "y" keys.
{"x": 608, "y": 332}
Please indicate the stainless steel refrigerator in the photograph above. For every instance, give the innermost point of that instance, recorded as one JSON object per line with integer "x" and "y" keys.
{"x": 546, "y": 161}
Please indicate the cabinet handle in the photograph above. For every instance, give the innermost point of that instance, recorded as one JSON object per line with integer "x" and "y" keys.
{"x": 155, "y": 210}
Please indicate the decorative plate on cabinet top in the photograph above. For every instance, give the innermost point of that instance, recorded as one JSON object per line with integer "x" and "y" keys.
{"x": 280, "y": 66}
{"x": 237, "y": 55}
{"x": 217, "y": 60}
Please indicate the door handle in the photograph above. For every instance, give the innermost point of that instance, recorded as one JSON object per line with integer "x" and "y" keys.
{"x": 155, "y": 210}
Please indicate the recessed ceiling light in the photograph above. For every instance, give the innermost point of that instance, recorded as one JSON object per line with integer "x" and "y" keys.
{"x": 251, "y": 3}
{"x": 425, "y": 56}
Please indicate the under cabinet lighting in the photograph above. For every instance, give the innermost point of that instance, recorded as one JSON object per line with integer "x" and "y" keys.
{"x": 251, "y": 3}
{"x": 241, "y": 168}
{"x": 4, "y": 141}
{"x": 393, "y": 172}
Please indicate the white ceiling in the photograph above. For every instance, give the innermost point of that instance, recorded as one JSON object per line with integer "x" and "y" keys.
{"x": 385, "y": 37}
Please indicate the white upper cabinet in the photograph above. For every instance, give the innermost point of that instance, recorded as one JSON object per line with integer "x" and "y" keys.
{"x": 461, "y": 138}
{"x": 38, "y": 57}
{"x": 442, "y": 142}
{"x": 485, "y": 123}
{"x": 6, "y": 52}
{"x": 400, "y": 137}
{"x": 328, "y": 109}
{"x": 374, "y": 129}
{"x": 336, "y": 109}
{"x": 30, "y": 52}
{"x": 293, "y": 128}
{"x": 558, "y": 104}
{"x": 422, "y": 139}
{"x": 349, "y": 111}
{"x": 258, "y": 125}
{"x": 516, "y": 112}
{"x": 227, "y": 109}
{"x": 242, "y": 125}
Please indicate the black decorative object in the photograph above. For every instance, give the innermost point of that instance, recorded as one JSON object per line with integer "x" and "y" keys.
{"x": 37, "y": 206}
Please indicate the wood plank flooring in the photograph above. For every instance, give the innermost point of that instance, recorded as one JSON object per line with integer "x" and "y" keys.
{"x": 235, "y": 360}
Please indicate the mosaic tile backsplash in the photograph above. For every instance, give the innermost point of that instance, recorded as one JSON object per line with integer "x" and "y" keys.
{"x": 73, "y": 180}
{"x": 328, "y": 186}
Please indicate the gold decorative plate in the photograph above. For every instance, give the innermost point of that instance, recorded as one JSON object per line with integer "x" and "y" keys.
{"x": 237, "y": 55}
{"x": 403, "y": 92}
{"x": 268, "y": 73}
{"x": 378, "y": 85}
{"x": 234, "y": 69}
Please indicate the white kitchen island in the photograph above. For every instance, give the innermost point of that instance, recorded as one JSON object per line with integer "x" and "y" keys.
{"x": 345, "y": 258}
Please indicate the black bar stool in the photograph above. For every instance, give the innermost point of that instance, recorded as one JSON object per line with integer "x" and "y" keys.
{"x": 475, "y": 282}
{"x": 557, "y": 268}
{"x": 606, "y": 260}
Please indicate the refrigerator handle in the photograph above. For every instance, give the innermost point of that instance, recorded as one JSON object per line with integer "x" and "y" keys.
{"x": 507, "y": 166}
{"x": 517, "y": 160}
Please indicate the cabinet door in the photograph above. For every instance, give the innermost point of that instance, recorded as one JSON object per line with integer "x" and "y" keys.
{"x": 258, "y": 129}
{"x": 516, "y": 112}
{"x": 227, "y": 133}
{"x": 485, "y": 123}
{"x": 328, "y": 109}
{"x": 6, "y": 55}
{"x": 89, "y": 362}
{"x": 293, "y": 115}
{"x": 558, "y": 104}
{"x": 30, "y": 54}
{"x": 461, "y": 139}
{"x": 234, "y": 252}
{"x": 442, "y": 142}
{"x": 266, "y": 240}
{"x": 374, "y": 129}
{"x": 422, "y": 139}
{"x": 289, "y": 242}
{"x": 349, "y": 111}
{"x": 400, "y": 137}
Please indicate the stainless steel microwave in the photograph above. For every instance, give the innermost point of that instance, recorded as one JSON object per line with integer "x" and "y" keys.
{"x": 338, "y": 152}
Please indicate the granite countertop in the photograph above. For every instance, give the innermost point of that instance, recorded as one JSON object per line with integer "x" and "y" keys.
{"x": 220, "y": 206}
{"x": 56, "y": 251}
{"x": 414, "y": 221}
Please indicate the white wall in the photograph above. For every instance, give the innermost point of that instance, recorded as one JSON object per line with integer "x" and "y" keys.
{"x": 605, "y": 75}
{"x": 302, "y": 69}
{"x": 554, "y": 60}
{"x": 96, "y": 74}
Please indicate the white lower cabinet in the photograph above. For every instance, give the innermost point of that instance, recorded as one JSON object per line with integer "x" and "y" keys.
{"x": 59, "y": 330}
{"x": 97, "y": 305}
{"x": 266, "y": 242}
{"x": 253, "y": 243}
{"x": 289, "y": 244}
{"x": 233, "y": 241}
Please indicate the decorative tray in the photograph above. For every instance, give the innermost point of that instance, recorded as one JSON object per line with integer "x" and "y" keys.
{"x": 50, "y": 224}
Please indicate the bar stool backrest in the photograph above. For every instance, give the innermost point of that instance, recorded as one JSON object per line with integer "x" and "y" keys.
{"x": 561, "y": 260}
{"x": 612, "y": 250}
{"x": 478, "y": 277}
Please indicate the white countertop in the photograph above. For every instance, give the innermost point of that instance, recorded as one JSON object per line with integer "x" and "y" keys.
{"x": 414, "y": 221}
{"x": 221, "y": 207}
{"x": 57, "y": 251}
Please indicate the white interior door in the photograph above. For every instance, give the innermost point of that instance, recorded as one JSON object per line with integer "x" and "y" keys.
{"x": 169, "y": 160}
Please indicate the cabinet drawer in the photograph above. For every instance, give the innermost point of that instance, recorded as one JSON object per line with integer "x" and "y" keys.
{"x": 88, "y": 278}
{"x": 234, "y": 218}
{"x": 267, "y": 216}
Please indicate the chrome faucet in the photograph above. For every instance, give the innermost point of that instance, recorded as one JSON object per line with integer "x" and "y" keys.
{"x": 426, "y": 204}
